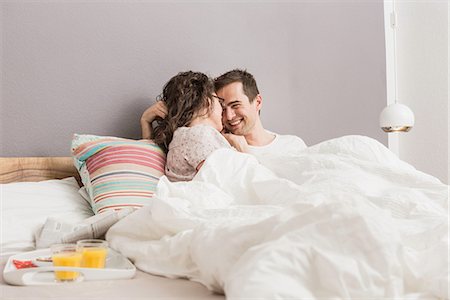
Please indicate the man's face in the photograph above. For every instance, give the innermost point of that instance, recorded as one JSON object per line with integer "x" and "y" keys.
{"x": 239, "y": 115}
{"x": 216, "y": 113}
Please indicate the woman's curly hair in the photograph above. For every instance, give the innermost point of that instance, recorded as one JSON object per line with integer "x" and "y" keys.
{"x": 187, "y": 95}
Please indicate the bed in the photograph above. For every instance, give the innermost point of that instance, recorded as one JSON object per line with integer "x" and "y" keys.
{"x": 342, "y": 219}
{"x": 34, "y": 170}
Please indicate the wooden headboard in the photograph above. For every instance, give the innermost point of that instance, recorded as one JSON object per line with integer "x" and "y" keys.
{"x": 19, "y": 169}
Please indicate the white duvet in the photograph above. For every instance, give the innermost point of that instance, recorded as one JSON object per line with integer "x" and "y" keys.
{"x": 343, "y": 219}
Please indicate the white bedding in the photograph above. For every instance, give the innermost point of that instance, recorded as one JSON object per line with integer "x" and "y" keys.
{"x": 345, "y": 219}
{"x": 26, "y": 205}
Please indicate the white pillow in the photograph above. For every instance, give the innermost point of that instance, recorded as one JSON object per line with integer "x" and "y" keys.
{"x": 26, "y": 205}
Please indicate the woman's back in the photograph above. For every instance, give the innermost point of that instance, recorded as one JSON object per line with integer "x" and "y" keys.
{"x": 190, "y": 146}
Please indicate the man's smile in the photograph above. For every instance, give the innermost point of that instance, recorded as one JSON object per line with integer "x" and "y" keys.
{"x": 234, "y": 122}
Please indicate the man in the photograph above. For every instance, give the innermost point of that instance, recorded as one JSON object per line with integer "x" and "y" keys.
{"x": 242, "y": 104}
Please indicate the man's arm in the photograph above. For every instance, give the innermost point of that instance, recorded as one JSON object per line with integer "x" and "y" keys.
{"x": 158, "y": 109}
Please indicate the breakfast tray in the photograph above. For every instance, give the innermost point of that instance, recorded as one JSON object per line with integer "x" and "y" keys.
{"x": 117, "y": 267}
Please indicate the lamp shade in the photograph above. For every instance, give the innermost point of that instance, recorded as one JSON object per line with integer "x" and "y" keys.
{"x": 396, "y": 118}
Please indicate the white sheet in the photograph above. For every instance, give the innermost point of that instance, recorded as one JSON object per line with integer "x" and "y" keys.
{"x": 344, "y": 219}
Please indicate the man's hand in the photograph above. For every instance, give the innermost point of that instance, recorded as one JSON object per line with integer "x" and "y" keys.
{"x": 237, "y": 141}
{"x": 158, "y": 109}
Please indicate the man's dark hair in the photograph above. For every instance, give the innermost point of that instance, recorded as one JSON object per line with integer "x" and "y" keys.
{"x": 248, "y": 82}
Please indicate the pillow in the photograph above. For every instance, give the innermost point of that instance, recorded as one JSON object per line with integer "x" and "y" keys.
{"x": 26, "y": 206}
{"x": 117, "y": 172}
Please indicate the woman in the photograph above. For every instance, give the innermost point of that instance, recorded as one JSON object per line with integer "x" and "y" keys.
{"x": 189, "y": 122}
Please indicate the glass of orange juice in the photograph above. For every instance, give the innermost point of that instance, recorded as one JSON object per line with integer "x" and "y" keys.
{"x": 66, "y": 255}
{"x": 93, "y": 253}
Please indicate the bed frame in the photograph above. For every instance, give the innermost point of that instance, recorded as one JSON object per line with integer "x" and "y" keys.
{"x": 20, "y": 169}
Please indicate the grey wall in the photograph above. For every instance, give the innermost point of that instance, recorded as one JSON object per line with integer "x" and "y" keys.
{"x": 84, "y": 67}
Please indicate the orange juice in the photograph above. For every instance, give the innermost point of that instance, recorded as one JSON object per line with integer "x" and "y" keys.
{"x": 94, "y": 257}
{"x": 66, "y": 259}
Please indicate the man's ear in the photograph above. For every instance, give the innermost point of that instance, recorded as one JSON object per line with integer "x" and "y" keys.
{"x": 258, "y": 102}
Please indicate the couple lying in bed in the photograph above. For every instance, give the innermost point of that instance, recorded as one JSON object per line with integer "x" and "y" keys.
{"x": 342, "y": 219}
{"x": 198, "y": 116}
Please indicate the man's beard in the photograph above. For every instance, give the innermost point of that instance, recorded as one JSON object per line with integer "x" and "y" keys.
{"x": 243, "y": 128}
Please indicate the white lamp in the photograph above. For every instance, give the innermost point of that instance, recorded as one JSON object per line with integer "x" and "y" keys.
{"x": 396, "y": 117}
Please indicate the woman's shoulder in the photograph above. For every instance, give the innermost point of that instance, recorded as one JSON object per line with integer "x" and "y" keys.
{"x": 202, "y": 131}
{"x": 197, "y": 133}
{"x": 188, "y": 138}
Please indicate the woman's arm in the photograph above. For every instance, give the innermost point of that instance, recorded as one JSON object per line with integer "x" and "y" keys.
{"x": 237, "y": 141}
{"x": 200, "y": 165}
{"x": 158, "y": 109}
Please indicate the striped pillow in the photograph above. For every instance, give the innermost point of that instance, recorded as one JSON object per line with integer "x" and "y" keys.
{"x": 117, "y": 172}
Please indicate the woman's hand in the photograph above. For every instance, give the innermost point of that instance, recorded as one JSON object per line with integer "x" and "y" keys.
{"x": 237, "y": 141}
{"x": 158, "y": 109}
